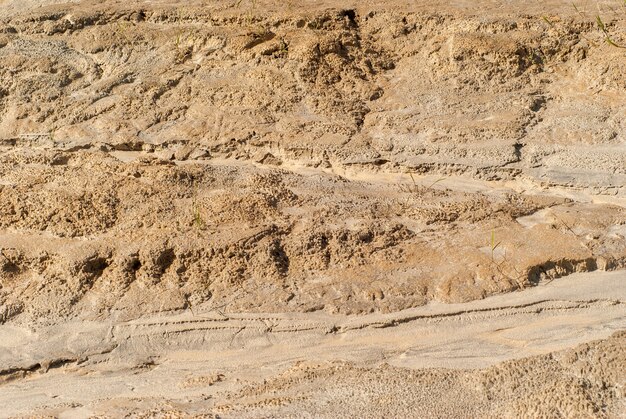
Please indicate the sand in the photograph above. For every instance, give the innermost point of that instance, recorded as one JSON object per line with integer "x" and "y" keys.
{"x": 486, "y": 358}
{"x": 312, "y": 209}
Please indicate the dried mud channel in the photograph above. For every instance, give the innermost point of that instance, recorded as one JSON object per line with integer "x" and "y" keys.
{"x": 311, "y": 209}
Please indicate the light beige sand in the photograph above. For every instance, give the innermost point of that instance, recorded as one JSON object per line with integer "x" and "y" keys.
{"x": 218, "y": 364}
{"x": 312, "y": 208}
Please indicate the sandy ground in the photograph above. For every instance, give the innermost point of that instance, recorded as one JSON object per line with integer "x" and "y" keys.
{"x": 312, "y": 208}
{"x": 403, "y": 364}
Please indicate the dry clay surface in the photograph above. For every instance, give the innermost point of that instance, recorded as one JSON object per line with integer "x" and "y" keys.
{"x": 310, "y": 159}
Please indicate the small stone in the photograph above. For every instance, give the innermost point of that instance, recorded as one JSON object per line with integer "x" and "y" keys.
{"x": 183, "y": 152}
{"x": 166, "y": 154}
{"x": 199, "y": 153}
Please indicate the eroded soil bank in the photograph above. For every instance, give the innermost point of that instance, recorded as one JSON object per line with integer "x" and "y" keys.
{"x": 314, "y": 160}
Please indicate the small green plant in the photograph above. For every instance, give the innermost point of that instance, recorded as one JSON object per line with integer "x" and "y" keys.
{"x": 198, "y": 220}
{"x": 252, "y": 7}
{"x": 608, "y": 38}
{"x": 186, "y": 37}
{"x": 494, "y": 245}
{"x": 184, "y": 45}
{"x": 283, "y": 48}
{"x": 415, "y": 188}
{"x": 503, "y": 266}
{"x": 548, "y": 21}
{"x": 581, "y": 13}
{"x": 260, "y": 31}
{"x": 123, "y": 30}
{"x": 605, "y": 32}
{"x": 441, "y": 179}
